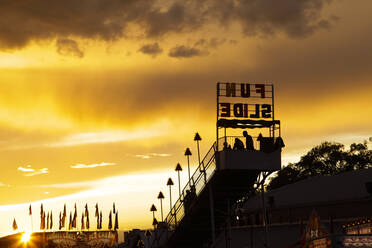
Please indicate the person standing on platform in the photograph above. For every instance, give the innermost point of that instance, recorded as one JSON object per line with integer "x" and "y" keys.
{"x": 248, "y": 141}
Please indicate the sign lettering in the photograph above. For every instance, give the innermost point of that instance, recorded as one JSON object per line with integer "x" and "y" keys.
{"x": 253, "y": 106}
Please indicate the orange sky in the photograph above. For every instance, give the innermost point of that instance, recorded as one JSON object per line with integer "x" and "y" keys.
{"x": 99, "y": 101}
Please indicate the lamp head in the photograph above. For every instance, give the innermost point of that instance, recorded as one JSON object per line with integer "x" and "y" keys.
{"x": 160, "y": 196}
{"x": 188, "y": 152}
{"x": 197, "y": 137}
{"x": 153, "y": 208}
{"x": 170, "y": 182}
{"x": 178, "y": 167}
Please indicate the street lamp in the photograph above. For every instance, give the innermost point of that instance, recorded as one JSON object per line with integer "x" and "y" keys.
{"x": 153, "y": 209}
{"x": 170, "y": 183}
{"x": 161, "y": 197}
{"x": 179, "y": 169}
{"x": 197, "y": 138}
{"x": 188, "y": 154}
{"x": 155, "y": 223}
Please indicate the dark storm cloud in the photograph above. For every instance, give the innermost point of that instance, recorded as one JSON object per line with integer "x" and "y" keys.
{"x": 24, "y": 21}
{"x": 183, "y": 51}
{"x": 267, "y": 17}
{"x": 68, "y": 47}
{"x": 151, "y": 49}
{"x": 211, "y": 43}
{"x": 200, "y": 48}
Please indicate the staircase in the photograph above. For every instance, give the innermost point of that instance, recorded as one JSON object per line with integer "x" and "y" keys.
{"x": 206, "y": 198}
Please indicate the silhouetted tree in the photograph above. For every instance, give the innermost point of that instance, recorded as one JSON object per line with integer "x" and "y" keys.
{"x": 327, "y": 159}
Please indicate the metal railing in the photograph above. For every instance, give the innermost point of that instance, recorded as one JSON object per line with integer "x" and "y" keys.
{"x": 190, "y": 192}
{"x": 192, "y": 189}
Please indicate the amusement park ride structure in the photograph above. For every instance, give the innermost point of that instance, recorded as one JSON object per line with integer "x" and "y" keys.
{"x": 229, "y": 172}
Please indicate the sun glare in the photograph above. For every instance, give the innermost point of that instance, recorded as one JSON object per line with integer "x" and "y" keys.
{"x": 26, "y": 236}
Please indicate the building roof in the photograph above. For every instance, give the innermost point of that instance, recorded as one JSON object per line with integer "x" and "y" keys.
{"x": 317, "y": 190}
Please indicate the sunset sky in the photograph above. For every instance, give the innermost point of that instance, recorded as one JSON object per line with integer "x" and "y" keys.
{"x": 99, "y": 99}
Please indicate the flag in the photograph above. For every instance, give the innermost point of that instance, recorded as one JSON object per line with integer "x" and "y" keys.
{"x": 64, "y": 211}
{"x": 60, "y": 221}
{"x": 96, "y": 214}
{"x": 51, "y": 220}
{"x": 70, "y": 222}
{"x": 86, "y": 209}
{"x": 75, "y": 217}
{"x": 113, "y": 207}
{"x": 44, "y": 226}
{"x": 30, "y": 210}
{"x": 41, "y": 222}
{"x": 63, "y": 216}
{"x": 87, "y": 222}
{"x": 82, "y": 222}
{"x": 97, "y": 221}
{"x": 110, "y": 221}
{"x": 15, "y": 227}
{"x": 100, "y": 220}
{"x": 47, "y": 226}
{"x": 116, "y": 221}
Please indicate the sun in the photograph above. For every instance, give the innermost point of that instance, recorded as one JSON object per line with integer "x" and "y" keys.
{"x": 26, "y": 236}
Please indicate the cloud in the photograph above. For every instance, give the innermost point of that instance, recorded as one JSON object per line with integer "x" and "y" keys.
{"x": 210, "y": 43}
{"x": 152, "y": 155}
{"x": 27, "y": 169}
{"x": 69, "y": 47}
{"x": 29, "y": 172}
{"x": 26, "y": 21}
{"x": 109, "y": 136}
{"x": 151, "y": 49}
{"x": 183, "y": 51}
{"x": 82, "y": 166}
{"x": 294, "y": 18}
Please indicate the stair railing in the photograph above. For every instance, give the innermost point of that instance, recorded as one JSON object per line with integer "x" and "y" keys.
{"x": 193, "y": 188}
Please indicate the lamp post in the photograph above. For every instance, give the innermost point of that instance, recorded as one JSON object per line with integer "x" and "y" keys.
{"x": 197, "y": 138}
{"x": 170, "y": 183}
{"x": 153, "y": 209}
{"x": 188, "y": 154}
{"x": 155, "y": 222}
{"x": 161, "y": 197}
{"x": 179, "y": 169}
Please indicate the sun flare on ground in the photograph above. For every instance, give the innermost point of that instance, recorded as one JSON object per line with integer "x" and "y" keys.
{"x": 26, "y": 237}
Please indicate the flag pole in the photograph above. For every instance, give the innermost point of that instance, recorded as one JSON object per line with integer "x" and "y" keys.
{"x": 32, "y": 224}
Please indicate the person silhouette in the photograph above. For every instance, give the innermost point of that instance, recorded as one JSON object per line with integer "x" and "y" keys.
{"x": 248, "y": 141}
{"x": 238, "y": 145}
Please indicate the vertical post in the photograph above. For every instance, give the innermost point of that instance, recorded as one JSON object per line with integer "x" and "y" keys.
{"x": 188, "y": 154}
{"x": 161, "y": 208}
{"x": 218, "y": 112}
{"x": 211, "y": 205}
{"x": 225, "y": 137}
{"x": 228, "y": 224}
{"x": 264, "y": 212}
{"x": 198, "y": 151}
{"x": 170, "y": 183}
{"x": 188, "y": 168}
{"x": 178, "y": 169}
{"x": 170, "y": 199}
{"x": 272, "y": 103}
{"x": 179, "y": 184}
